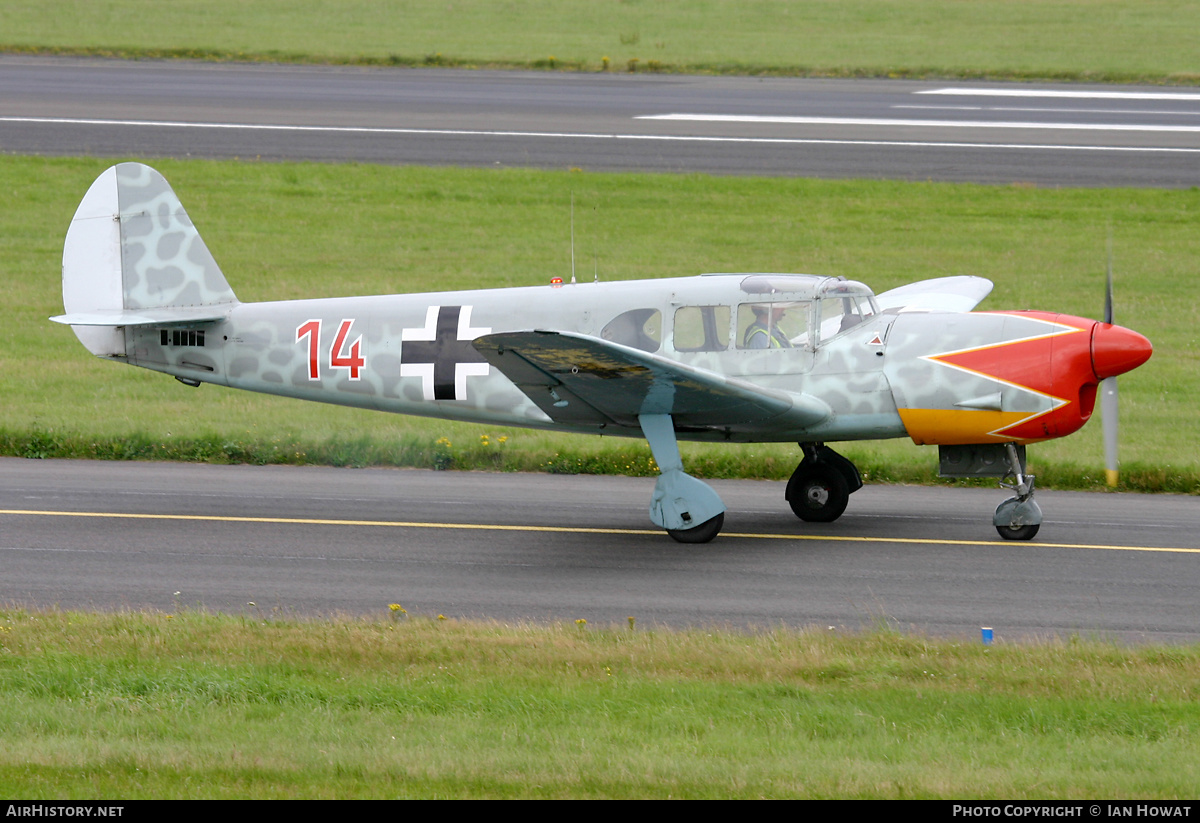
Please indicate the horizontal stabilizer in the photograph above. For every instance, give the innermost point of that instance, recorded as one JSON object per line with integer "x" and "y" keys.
{"x": 145, "y": 317}
{"x": 578, "y": 379}
{"x": 952, "y": 294}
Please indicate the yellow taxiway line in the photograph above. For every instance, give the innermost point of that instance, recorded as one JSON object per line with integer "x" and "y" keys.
{"x": 402, "y": 524}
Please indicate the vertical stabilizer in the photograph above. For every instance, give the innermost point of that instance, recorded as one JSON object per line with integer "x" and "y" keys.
{"x": 132, "y": 247}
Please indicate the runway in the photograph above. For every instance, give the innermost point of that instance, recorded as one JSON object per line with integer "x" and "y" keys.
{"x": 989, "y": 133}
{"x": 311, "y": 541}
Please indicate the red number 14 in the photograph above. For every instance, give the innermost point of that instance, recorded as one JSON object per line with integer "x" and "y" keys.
{"x": 353, "y": 360}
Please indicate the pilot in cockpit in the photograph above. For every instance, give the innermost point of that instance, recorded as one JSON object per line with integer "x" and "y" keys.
{"x": 764, "y": 332}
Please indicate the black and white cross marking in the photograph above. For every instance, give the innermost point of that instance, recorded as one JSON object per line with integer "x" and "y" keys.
{"x": 441, "y": 354}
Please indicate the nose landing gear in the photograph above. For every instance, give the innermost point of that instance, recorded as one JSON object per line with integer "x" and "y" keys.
{"x": 1020, "y": 517}
{"x": 1017, "y": 518}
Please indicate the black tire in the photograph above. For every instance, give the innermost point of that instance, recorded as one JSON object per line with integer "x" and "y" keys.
{"x": 703, "y": 533}
{"x": 818, "y": 493}
{"x": 1018, "y": 532}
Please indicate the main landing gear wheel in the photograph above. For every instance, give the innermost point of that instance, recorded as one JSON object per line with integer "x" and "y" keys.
{"x": 703, "y": 533}
{"x": 1018, "y": 532}
{"x": 820, "y": 493}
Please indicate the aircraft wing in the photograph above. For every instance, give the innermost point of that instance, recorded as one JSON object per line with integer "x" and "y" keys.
{"x": 581, "y": 380}
{"x": 954, "y": 294}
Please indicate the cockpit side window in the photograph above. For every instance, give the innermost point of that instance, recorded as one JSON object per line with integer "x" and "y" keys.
{"x": 701, "y": 328}
{"x": 772, "y": 324}
{"x": 840, "y": 314}
{"x": 636, "y": 328}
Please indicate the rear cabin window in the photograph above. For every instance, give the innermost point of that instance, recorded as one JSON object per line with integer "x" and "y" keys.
{"x": 636, "y": 328}
{"x": 701, "y": 328}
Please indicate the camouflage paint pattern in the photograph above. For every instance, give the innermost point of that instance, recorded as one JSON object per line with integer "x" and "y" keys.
{"x": 164, "y": 260}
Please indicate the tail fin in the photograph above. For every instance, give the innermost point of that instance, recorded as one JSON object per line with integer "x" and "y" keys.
{"x": 132, "y": 257}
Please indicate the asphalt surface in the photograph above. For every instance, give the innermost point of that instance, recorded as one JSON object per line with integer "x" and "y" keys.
{"x": 990, "y": 133}
{"x": 264, "y": 540}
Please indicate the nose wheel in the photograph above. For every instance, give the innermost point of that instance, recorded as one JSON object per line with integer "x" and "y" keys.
{"x": 1018, "y": 532}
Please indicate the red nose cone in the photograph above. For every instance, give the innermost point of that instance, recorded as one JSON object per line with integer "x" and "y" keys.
{"x": 1116, "y": 350}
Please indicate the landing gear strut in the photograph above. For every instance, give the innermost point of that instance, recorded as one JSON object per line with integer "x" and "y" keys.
{"x": 820, "y": 488}
{"x": 687, "y": 508}
{"x": 1020, "y": 517}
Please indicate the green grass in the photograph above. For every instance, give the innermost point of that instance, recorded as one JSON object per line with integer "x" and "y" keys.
{"x": 1097, "y": 40}
{"x": 195, "y": 705}
{"x": 307, "y": 230}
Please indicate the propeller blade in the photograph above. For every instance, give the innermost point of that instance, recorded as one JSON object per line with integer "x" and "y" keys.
{"x": 1108, "y": 389}
{"x": 1108, "y": 291}
{"x": 1108, "y": 418}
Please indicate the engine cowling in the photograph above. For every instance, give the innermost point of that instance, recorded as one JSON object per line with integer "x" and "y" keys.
{"x": 1010, "y": 376}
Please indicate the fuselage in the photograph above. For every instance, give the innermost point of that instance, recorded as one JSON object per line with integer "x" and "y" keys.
{"x": 936, "y": 377}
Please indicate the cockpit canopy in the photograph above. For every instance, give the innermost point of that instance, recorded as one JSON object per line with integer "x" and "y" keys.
{"x": 806, "y": 286}
{"x": 776, "y": 311}
{"x": 819, "y": 308}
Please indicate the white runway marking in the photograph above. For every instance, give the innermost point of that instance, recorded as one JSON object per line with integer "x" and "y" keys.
{"x": 596, "y": 136}
{"x": 938, "y": 124}
{"x": 1049, "y": 110}
{"x": 1065, "y": 93}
